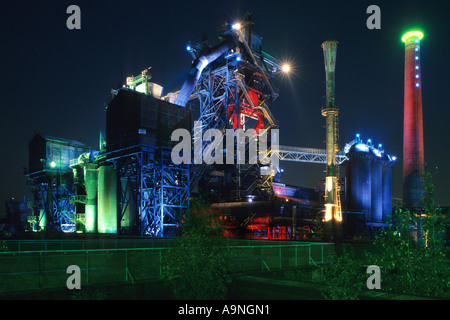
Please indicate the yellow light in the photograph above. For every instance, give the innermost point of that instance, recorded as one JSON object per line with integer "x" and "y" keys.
{"x": 329, "y": 183}
{"x": 328, "y": 211}
{"x": 338, "y": 214}
{"x": 412, "y": 34}
{"x": 286, "y": 68}
{"x": 52, "y": 164}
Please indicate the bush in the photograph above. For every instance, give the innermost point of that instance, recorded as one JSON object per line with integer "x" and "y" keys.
{"x": 413, "y": 250}
{"x": 198, "y": 266}
{"x": 343, "y": 277}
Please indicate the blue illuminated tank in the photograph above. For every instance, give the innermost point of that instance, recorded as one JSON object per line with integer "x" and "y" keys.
{"x": 368, "y": 183}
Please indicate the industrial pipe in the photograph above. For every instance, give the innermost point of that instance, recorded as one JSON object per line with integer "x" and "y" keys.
{"x": 205, "y": 58}
{"x": 331, "y": 113}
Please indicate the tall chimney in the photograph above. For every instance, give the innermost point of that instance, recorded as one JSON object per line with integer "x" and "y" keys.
{"x": 413, "y": 148}
{"x": 332, "y": 210}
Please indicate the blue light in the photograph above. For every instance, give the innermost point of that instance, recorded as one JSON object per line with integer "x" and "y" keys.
{"x": 369, "y": 140}
{"x": 416, "y": 41}
{"x": 238, "y": 58}
{"x": 362, "y": 147}
{"x": 417, "y": 76}
{"x": 417, "y": 84}
{"x": 377, "y": 153}
{"x": 416, "y": 49}
{"x": 417, "y": 67}
{"x": 357, "y": 135}
{"x": 188, "y": 48}
{"x": 417, "y": 58}
{"x": 380, "y": 145}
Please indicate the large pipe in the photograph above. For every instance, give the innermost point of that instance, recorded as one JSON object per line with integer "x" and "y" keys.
{"x": 331, "y": 113}
{"x": 91, "y": 184}
{"x": 205, "y": 58}
{"x": 107, "y": 200}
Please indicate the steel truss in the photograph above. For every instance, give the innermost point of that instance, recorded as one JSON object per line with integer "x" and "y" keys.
{"x": 309, "y": 155}
{"x": 217, "y": 90}
{"x": 155, "y": 188}
{"x": 52, "y": 205}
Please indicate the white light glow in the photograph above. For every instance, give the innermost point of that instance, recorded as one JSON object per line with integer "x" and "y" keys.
{"x": 362, "y": 147}
{"x": 236, "y": 26}
{"x": 377, "y": 153}
{"x": 329, "y": 183}
{"x": 286, "y": 68}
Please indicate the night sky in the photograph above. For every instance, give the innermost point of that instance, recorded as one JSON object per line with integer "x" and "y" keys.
{"x": 56, "y": 81}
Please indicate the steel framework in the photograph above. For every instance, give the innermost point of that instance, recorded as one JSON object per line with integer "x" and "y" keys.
{"x": 230, "y": 95}
{"x": 53, "y": 207}
{"x": 308, "y": 155}
{"x": 158, "y": 190}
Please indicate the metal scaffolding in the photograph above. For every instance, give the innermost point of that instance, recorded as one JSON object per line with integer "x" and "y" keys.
{"x": 235, "y": 92}
{"x": 53, "y": 206}
{"x": 151, "y": 186}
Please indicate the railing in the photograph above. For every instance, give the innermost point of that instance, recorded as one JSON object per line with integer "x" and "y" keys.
{"x": 24, "y": 268}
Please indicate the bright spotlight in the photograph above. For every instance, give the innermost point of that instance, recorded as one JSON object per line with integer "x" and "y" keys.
{"x": 286, "y": 68}
{"x": 236, "y": 26}
{"x": 52, "y": 164}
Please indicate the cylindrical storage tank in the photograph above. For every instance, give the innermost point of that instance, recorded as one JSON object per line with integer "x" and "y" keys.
{"x": 91, "y": 185}
{"x": 107, "y": 200}
{"x": 129, "y": 216}
{"x": 369, "y": 181}
{"x": 366, "y": 173}
{"x": 377, "y": 192}
{"x": 387, "y": 190}
{"x": 359, "y": 181}
{"x": 42, "y": 219}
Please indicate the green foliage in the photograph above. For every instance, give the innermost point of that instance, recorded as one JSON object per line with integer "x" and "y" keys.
{"x": 413, "y": 252}
{"x": 343, "y": 277}
{"x": 3, "y": 246}
{"x": 198, "y": 266}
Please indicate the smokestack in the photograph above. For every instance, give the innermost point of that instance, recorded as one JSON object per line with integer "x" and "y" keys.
{"x": 332, "y": 209}
{"x": 413, "y": 147}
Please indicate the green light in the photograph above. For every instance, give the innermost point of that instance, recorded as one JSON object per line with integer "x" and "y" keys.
{"x": 412, "y": 34}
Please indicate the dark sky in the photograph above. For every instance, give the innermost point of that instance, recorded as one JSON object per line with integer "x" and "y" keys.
{"x": 55, "y": 81}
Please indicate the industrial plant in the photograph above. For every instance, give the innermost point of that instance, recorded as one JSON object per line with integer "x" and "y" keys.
{"x": 130, "y": 185}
